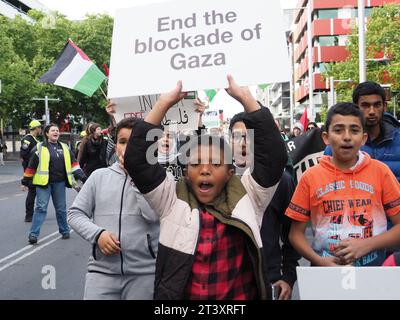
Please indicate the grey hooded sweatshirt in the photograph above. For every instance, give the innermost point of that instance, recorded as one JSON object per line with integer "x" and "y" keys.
{"x": 110, "y": 201}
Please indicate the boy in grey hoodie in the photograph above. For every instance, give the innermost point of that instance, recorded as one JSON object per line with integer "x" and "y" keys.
{"x": 113, "y": 216}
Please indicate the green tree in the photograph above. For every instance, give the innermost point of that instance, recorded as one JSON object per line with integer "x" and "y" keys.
{"x": 382, "y": 36}
{"x": 28, "y": 50}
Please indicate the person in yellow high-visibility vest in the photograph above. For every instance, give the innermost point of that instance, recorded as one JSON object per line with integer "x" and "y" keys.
{"x": 50, "y": 169}
{"x": 27, "y": 144}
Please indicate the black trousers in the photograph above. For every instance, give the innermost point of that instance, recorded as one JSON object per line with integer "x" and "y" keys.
{"x": 30, "y": 202}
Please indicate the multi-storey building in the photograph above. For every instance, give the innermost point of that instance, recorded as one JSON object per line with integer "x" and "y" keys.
{"x": 12, "y": 8}
{"x": 277, "y": 98}
{"x": 332, "y": 22}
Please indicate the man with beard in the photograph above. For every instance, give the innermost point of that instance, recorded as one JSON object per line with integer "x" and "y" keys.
{"x": 280, "y": 256}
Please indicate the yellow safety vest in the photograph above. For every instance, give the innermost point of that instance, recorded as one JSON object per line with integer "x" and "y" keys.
{"x": 41, "y": 177}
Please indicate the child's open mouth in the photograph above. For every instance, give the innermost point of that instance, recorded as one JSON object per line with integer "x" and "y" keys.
{"x": 347, "y": 147}
{"x": 205, "y": 187}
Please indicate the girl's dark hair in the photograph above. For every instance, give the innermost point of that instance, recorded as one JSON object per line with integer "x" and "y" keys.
{"x": 127, "y": 123}
{"x": 93, "y": 128}
{"x": 344, "y": 109}
{"x": 47, "y": 129}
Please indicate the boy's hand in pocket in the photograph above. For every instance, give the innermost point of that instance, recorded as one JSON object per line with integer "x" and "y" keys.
{"x": 108, "y": 243}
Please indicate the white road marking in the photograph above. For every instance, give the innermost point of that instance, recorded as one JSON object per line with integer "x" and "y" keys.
{"x": 27, "y": 247}
{"x": 15, "y": 195}
{"x": 35, "y": 248}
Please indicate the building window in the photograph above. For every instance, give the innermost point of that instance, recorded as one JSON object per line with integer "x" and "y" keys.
{"x": 320, "y": 68}
{"x": 328, "y": 14}
{"x": 341, "y": 13}
{"x": 368, "y": 12}
{"x": 328, "y": 41}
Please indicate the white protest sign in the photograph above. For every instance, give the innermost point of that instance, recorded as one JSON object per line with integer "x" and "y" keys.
{"x": 180, "y": 117}
{"x": 198, "y": 42}
{"x": 211, "y": 119}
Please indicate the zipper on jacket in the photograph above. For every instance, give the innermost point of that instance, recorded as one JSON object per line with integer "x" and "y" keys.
{"x": 94, "y": 251}
{"x": 258, "y": 260}
{"x": 150, "y": 247}
{"x": 194, "y": 254}
{"x": 120, "y": 225}
{"x": 258, "y": 270}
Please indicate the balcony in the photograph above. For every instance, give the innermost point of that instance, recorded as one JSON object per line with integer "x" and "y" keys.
{"x": 330, "y": 4}
{"x": 332, "y": 27}
{"x": 300, "y": 26}
{"x": 302, "y": 46}
{"x": 330, "y": 54}
{"x": 322, "y": 54}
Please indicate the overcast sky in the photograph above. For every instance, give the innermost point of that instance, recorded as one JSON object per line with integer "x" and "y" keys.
{"x": 76, "y": 9}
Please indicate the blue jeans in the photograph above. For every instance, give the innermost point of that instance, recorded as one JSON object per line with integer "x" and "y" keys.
{"x": 57, "y": 192}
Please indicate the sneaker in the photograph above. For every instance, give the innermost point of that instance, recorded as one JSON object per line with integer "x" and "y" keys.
{"x": 28, "y": 219}
{"x": 32, "y": 239}
{"x": 65, "y": 236}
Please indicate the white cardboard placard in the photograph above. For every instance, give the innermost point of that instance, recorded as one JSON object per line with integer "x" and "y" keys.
{"x": 180, "y": 117}
{"x": 198, "y": 42}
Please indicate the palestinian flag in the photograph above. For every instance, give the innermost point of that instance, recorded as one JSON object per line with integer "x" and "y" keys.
{"x": 263, "y": 86}
{"x": 73, "y": 69}
{"x": 211, "y": 93}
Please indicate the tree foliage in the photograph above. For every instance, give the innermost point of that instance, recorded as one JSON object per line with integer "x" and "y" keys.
{"x": 29, "y": 49}
{"x": 382, "y": 39}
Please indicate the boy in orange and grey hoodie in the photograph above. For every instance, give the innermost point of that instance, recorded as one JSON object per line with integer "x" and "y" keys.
{"x": 347, "y": 198}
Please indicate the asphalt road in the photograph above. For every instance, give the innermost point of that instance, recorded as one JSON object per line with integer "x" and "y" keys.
{"x": 52, "y": 270}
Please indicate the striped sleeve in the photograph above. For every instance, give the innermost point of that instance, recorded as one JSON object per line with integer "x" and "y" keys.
{"x": 31, "y": 169}
{"x": 29, "y": 173}
{"x": 391, "y": 192}
{"x": 299, "y": 207}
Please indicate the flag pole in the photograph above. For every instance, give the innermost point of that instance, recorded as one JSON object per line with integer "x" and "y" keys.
{"x": 105, "y": 96}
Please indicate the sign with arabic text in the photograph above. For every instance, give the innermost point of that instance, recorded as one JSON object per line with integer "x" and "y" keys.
{"x": 181, "y": 116}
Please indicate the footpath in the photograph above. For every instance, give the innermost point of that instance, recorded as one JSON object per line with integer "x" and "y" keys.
{"x": 11, "y": 171}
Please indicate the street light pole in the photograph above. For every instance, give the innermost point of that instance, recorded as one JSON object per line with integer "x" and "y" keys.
{"x": 332, "y": 92}
{"x": 46, "y": 105}
{"x": 291, "y": 55}
{"x": 361, "y": 41}
{"x": 310, "y": 6}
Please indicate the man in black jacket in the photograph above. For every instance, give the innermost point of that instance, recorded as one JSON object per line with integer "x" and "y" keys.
{"x": 281, "y": 259}
{"x": 27, "y": 144}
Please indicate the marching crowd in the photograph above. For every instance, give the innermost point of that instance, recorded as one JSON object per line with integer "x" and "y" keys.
{"x": 204, "y": 217}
